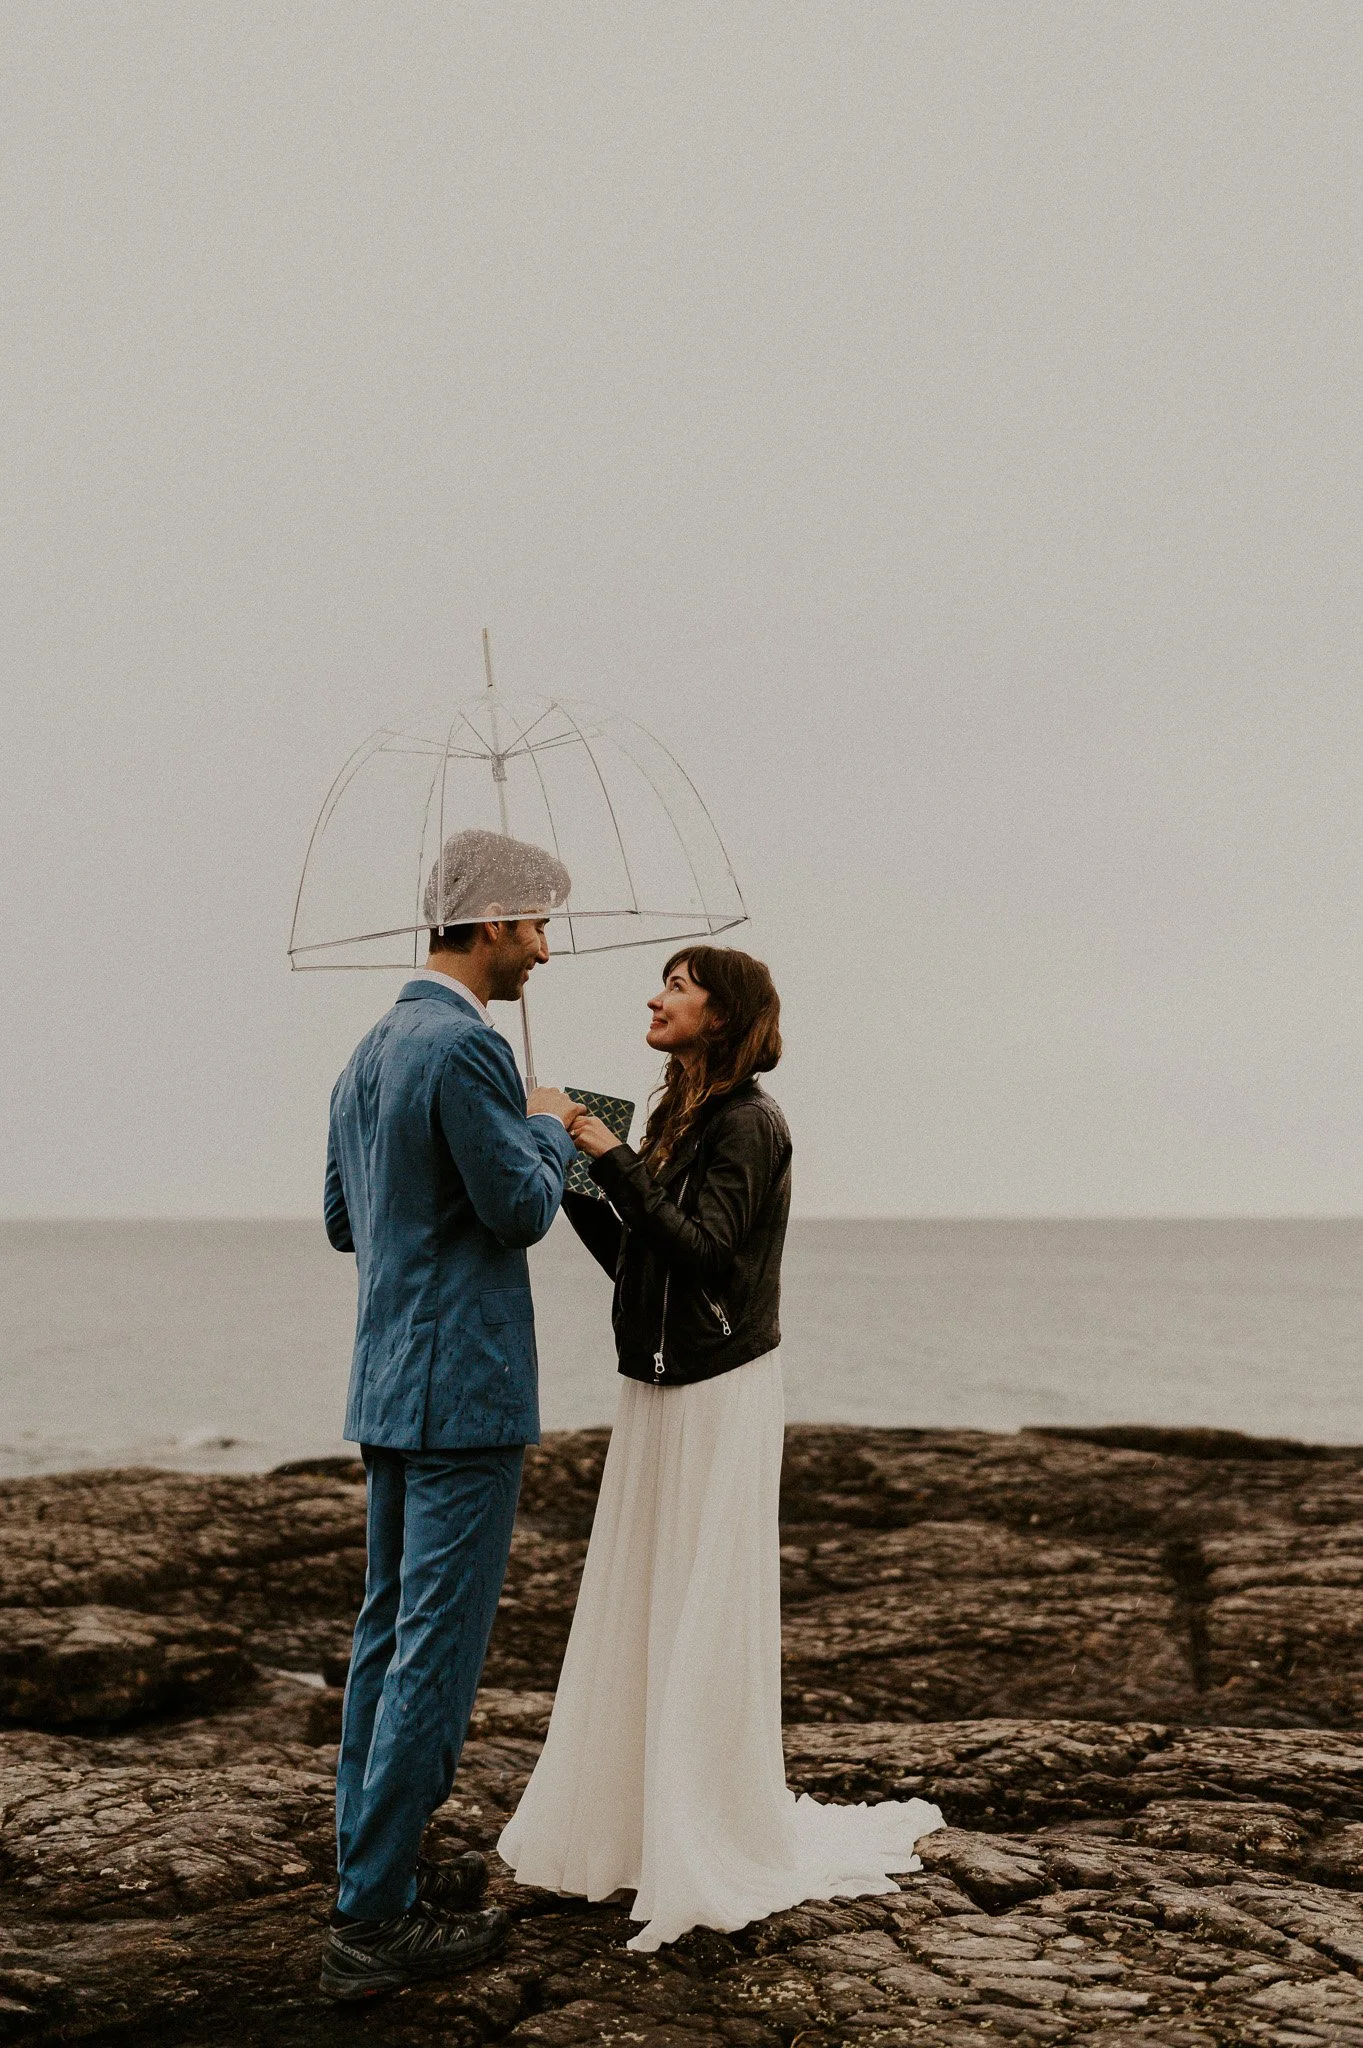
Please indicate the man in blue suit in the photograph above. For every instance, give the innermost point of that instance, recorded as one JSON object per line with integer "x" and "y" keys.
{"x": 439, "y": 1174}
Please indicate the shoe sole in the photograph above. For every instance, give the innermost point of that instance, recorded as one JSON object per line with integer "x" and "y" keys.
{"x": 354, "y": 1990}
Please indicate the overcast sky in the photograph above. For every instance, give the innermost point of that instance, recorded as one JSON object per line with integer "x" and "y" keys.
{"x": 939, "y": 423}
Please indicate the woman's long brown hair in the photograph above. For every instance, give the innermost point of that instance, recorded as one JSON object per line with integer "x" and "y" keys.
{"x": 743, "y": 1038}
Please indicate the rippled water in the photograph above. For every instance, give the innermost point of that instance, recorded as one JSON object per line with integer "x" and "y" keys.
{"x": 226, "y": 1345}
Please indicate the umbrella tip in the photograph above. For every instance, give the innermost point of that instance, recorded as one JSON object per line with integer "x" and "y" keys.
{"x": 487, "y": 659}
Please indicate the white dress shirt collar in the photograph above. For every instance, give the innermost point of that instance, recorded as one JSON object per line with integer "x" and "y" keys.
{"x": 459, "y": 987}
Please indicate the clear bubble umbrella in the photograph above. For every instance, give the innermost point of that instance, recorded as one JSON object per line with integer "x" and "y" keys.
{"x": 590, "y": 786}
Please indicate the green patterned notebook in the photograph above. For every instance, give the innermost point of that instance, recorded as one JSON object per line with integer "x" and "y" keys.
{"x": 617, "y": 1115}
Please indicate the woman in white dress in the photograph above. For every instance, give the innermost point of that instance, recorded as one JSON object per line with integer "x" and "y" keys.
{"x": 663, "y": 1772}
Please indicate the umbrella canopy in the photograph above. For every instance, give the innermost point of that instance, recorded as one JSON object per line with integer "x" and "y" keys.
{"x": 592, "y": 787}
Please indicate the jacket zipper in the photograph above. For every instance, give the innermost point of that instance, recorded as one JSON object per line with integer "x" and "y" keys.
{"x": 718, "y": 1308}
{"x": 659, "y": 1366}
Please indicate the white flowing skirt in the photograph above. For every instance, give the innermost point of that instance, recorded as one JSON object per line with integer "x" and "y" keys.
{"x": 663, "y": 1772}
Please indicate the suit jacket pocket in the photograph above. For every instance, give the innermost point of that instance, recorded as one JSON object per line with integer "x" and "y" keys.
{"x": 507, "y": 1305}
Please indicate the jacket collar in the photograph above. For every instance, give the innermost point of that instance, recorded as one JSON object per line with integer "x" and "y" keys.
{"x": 418, "y": 991}
{"x": 683, "y": 1157}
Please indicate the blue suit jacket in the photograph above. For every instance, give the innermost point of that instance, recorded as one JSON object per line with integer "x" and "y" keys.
{"x": 437, "y": 1181}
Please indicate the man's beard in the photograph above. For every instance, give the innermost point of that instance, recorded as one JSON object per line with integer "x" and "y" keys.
{"x": 510, "y": 981}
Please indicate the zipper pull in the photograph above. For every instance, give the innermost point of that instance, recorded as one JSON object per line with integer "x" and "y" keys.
{"x": 658, "y": 1366}
{"x": 717, "y": 1309}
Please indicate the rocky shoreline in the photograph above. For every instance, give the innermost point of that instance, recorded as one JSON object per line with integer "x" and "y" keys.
{"x": 1128, "y": 1664}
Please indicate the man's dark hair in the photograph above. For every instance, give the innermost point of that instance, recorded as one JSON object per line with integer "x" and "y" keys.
{"x": 456, "y": 938}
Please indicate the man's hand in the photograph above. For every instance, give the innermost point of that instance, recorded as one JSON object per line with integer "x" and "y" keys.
{"x": 553, "y": 1102}
{"x": 593, "y": 1137}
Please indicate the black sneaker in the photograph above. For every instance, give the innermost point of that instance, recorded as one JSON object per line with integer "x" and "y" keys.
{"x": 454, "y": 1886}
{"x": 364, "y": 1958}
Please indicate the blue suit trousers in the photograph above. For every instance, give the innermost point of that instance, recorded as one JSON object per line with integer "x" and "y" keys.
{"x": 439, "y": 1536}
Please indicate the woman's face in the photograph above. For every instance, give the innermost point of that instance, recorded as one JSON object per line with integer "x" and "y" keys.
{"x": 679, "y": 1013}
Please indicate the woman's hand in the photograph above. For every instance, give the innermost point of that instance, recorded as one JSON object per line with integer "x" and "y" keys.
{"x": 593, "y": 1137}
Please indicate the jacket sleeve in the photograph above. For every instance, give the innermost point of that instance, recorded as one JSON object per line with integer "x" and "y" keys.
{"x": 512, "y": 1165}
{"x": 597, "y": 1224}
{"x": 333, "y": 1203}
{"x": 744, "y": 1158}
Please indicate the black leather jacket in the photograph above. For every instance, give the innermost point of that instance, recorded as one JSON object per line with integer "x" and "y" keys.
{"x": 696, "y": 1253}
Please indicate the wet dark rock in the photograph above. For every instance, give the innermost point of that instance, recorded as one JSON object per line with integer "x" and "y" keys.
{"x": 1224, "y": 1446}
{"x": 279, "y": 1559}
{"x": 74, "y": 1667}
{"x": 994, "y": 1873}
{"x": 1127, "y": 1664}
{"x": 1165, "y": 1575}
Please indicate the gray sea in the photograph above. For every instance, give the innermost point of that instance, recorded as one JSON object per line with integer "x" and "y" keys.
{"x": 225, "y": 1346}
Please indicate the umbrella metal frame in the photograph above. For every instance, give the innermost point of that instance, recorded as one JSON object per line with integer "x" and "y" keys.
{"x": 521, "y": 746}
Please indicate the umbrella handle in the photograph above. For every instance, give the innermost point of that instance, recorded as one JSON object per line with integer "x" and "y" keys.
{"x": 529, "y": 1048}
{"x": 499, "y": 777}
